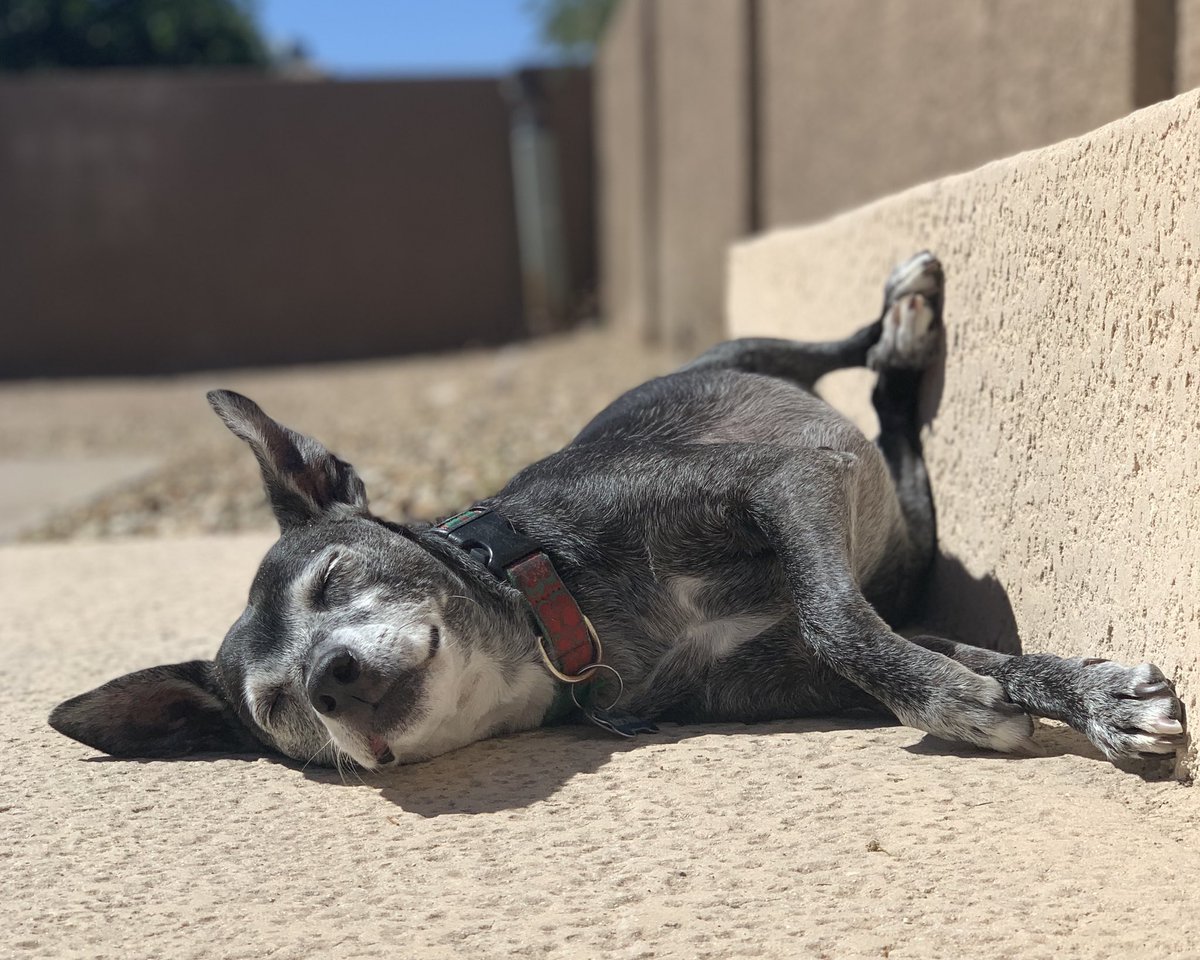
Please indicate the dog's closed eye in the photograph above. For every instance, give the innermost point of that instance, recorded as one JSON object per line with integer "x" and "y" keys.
{"x": 269, "y": 706}
{"x": 321, "y": 586}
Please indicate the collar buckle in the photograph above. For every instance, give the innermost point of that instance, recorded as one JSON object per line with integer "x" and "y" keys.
{"x": 489, "y": 537}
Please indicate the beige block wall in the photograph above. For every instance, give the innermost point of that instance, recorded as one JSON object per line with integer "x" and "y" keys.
{"x": 625, "y": 167}
{"x": 863, "y": 97}
{"x": 674, "y": 121}
{"x": 1187, "y": 49}
{"x": 703, "y": 91}
{"x": 1065, "y": 449}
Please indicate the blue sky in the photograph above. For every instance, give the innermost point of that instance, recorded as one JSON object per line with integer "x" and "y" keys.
{"x": 382, "y": 37}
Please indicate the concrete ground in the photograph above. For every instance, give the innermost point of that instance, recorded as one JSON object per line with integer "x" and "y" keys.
{"x": 803, "y": 839}
{"x": 36, "y": 489}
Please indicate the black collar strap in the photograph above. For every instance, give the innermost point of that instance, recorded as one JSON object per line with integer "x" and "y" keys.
{"x": 566, "y": 637}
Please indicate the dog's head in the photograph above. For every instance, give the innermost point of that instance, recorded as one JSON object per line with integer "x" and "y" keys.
{"x": 356, "y": 641}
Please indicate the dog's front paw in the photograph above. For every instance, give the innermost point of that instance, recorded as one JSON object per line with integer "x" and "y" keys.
{"x": 1128, "y": 712}
{"x": 970, "y": 708}
{"x": 911, "y": 325}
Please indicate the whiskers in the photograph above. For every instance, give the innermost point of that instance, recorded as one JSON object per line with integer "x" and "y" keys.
{"x": 345, "y": 763}
{"x": 320, "y": 750}
{"x": 342, "y": 762}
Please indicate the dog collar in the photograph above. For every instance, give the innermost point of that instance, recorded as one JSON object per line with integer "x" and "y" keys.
{"x": 566, "y": 638}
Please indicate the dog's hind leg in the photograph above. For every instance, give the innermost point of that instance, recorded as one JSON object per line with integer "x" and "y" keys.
{"x": 906, "y": 335}
{"x": 798, "y": 362}
{"x": 911, "y": 338}
{"x": 804, "y": 507}
{"x": 1125, "y": 711}
{"x": 900, "y": 345}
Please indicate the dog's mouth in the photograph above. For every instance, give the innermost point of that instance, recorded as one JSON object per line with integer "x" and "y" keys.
{"x": 380, "y": 750}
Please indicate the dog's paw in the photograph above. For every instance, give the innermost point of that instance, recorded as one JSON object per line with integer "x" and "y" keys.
{"x": 911, "y": 328}
{"x": 1128, "y": 712}
{"x": 970, "y": 708}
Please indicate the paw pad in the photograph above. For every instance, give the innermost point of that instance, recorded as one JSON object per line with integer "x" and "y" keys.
{"x": 911, "y": 327}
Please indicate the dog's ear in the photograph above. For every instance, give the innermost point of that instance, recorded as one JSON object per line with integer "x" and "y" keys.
{"x": 165, "y": 711}
{"x": 304, "y": 481}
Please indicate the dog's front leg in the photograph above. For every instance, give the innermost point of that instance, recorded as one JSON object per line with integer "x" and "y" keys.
{"x": 1128, "y": 712}
{"x": 803, "y": 509}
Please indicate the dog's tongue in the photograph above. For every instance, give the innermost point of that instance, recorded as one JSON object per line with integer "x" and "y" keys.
{"x": 379, "y": 747}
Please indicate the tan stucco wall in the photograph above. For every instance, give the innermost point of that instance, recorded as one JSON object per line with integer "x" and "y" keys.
{"x": 704, "y": 159}
{"x": 716, "y": 117}
{"x": 625, "y": 132}
{"x": 673, "y": 98}
{"x": 863, "y": 97}
{"x": 1187, "y": 49}
{"x": 1065, "y": 451}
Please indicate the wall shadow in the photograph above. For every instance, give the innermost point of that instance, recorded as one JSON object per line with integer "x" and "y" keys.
{"x": 956, "y": 604}
{"x": 968, "y": 609}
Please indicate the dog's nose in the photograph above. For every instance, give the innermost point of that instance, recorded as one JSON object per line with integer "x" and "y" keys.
{"x": 333, "y": 683}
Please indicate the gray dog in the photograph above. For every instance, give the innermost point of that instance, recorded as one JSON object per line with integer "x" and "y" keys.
{"x": 716, "y": 545}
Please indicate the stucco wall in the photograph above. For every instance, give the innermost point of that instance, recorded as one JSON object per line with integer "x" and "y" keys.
{"x": 863, "y": 97}
{"x": 1065, "y": 449}
{"x": 673, "y": 90}
{"x": 720, "y": 117}
{"x": 1187, "y": 49}
{"x": 704, "y": 161}
{"x": 625, "y": 134}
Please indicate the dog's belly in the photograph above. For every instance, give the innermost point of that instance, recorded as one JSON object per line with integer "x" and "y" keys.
{"x": 701, "y": 634}
{"x": 714, "y": 639}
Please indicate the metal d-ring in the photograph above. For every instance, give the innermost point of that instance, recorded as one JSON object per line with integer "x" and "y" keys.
{"x": 620, "y": 688}
{"x": 588, "y": 672}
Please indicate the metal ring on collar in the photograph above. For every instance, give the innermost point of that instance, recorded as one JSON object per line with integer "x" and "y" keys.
{"x": 615, "y": 700}
{"x": 586, "y": 672}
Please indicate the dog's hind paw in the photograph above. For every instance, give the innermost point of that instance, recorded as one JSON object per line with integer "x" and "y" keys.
{"x": 970, "y": 708}
{"x": 911, "y": 324}
{"x": 1129, "y": 712}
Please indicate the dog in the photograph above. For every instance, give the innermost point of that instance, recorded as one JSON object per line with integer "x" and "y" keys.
{"x": 716, "y": 545}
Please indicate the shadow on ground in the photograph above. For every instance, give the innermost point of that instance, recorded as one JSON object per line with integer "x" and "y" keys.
{"x": 514, "y": 772}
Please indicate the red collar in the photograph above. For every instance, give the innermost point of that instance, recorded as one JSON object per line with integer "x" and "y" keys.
{"x": 566, "y": 637}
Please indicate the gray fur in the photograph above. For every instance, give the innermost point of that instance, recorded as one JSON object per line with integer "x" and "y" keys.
{"x": 743, "y": 551}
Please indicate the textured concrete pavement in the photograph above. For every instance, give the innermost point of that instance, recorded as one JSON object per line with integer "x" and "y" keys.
{"x": 33, "y": 488}
{"x": 801, "y": 840}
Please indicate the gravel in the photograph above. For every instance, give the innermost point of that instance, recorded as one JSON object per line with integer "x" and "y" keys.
{"x": 428, "y": 434}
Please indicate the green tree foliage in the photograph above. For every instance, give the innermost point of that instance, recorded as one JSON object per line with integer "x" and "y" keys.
{"x": 129, "y": 33}
{"x": 573, "y": 27}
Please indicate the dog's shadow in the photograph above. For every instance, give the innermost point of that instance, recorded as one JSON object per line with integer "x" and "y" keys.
{"x": 514, "y": 772}
{"x": 1051, "y": 740}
